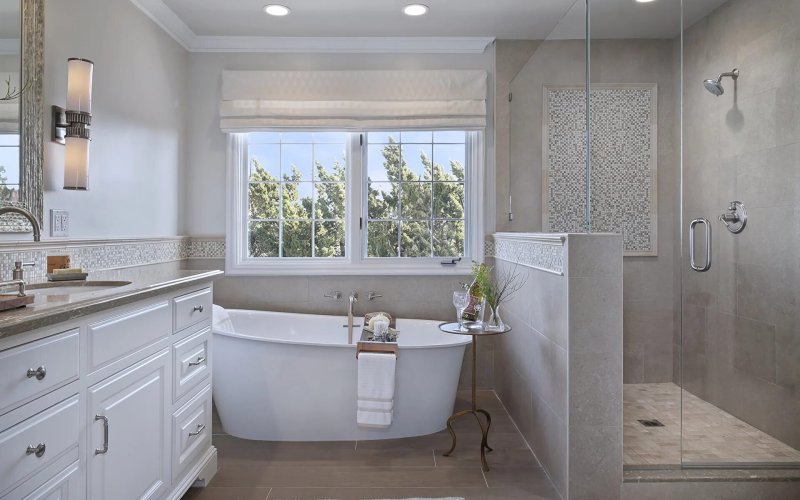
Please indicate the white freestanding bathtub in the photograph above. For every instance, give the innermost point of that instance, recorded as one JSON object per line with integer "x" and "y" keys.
{"x": 292, "y": 377}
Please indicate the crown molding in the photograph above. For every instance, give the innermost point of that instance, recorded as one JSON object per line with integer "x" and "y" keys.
{"x": 377, "y": 45}
{"x": 167, "y": 20}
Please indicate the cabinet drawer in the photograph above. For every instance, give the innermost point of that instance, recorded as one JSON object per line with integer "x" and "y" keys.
{"x": 191, "y": 432}
{"x": 53, "y": 431}
{"x": 34, "y": 369}
{"x": 114, "y": 338}
{"x": 191, "y": 362}
{"x": 192, "y": 308}
{"x": 65, "y": 485}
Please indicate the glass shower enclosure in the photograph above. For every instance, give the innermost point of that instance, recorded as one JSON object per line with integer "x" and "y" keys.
{"x": 694, "y": 157}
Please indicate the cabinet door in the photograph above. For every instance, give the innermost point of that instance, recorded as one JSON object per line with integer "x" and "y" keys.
{"x": 131, "y": 459}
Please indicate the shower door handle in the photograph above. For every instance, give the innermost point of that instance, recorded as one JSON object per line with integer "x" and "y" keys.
{"x": 692, "y": 261}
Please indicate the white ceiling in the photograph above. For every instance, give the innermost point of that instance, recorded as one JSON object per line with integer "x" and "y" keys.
{"x": 450, "y": 25}
{"x": 531, "y": 19}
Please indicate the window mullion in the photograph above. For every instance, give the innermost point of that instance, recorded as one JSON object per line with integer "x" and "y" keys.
{"x": 355, "y": 198}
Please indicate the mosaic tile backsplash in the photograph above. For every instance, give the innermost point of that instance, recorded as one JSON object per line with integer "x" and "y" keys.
{"x": 99, "y": 255}
{"x": 623, "y": 194}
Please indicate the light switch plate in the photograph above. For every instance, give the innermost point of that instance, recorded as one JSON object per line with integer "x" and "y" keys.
{"x": 59, "y": 223}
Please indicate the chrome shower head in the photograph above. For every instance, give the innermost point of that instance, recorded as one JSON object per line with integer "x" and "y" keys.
{"x": 715, "y": 86}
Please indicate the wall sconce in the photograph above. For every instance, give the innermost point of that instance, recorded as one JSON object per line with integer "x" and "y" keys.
{"x": 72, "y": 126}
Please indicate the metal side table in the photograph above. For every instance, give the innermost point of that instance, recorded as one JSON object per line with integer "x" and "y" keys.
{"x": 455, "y": 329}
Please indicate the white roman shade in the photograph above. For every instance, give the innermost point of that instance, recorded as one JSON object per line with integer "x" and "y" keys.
{"x": 362, "y": 100}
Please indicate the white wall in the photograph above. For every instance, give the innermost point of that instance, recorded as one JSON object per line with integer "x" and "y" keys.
{"x": 204, "y": 189}
{"x": 138, "y": 132}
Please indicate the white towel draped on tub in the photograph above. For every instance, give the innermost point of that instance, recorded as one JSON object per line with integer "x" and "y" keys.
{"x": 375, "y": 389}
{"x": 220, "y": 321}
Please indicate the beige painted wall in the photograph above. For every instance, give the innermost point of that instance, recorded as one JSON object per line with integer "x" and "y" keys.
{"x": 741, "y": 320}
{"x": 649, "y": 289}
{"x": 204, "y": 194}
{"x": 138, "y": 130}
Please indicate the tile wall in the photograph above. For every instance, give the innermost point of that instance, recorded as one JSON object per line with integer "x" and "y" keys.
{"x": 741, "y": 319}
{"x": 559, "y": 371}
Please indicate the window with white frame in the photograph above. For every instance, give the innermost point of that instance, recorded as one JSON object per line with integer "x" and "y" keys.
{"x": 353, "y": 202}
{"x": 296, "y": 194}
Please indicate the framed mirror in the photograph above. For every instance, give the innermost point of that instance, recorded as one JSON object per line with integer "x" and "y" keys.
{"x": 21, "y": 117}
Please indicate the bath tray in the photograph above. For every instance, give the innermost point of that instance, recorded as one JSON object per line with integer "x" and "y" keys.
{"x": 13, "y": 301}
{"x": 365, "y": 345}
{"x": 67, "y": 277}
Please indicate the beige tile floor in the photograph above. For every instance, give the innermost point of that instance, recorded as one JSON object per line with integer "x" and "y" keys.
{"x": 710, "y": 435}
{"x": 399, "y": 468}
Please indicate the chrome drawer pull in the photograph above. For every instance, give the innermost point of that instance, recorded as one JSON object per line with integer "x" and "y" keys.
{"x": 200, "y": 429}
{"x": 39, "y": 373}
{"x": 104, "y": 449}
{"x": 200, "y": 360}
{"x": 38, "y": 450}
{"x": 198, "y": 308}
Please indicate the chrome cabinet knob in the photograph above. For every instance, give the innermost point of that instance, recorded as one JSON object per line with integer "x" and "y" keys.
{"x": 198, "y": 308}
{"x": 39, "y": 373}
{"x": 37, "y": 450}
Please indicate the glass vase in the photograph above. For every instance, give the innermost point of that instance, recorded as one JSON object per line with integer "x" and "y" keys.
{"x": 495, "y": 321}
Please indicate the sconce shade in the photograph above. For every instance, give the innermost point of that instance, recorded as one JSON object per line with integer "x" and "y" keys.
{"x": 79, "y": 85}
{"x": 76, "y": 164}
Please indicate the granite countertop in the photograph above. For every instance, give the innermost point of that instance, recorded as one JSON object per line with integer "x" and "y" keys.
{"x": 145, "y": 281}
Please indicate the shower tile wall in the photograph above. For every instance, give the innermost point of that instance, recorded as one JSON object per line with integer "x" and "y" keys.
{"x": 648, "y": 281}
{"x": 741, "y": 320}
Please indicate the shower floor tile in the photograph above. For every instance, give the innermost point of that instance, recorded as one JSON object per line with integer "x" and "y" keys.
{"x": 396, "y": 468}
{"x": 710, "y": 435}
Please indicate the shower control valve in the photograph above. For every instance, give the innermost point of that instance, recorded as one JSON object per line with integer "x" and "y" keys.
{"x": 735, "y": 219}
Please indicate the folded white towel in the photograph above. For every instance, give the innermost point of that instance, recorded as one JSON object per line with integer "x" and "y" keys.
{"x": 369, "y": 405}
{"x": 376, "y": 419}
{"x": 376, "y": 373}
{"x": 220, "y": 321}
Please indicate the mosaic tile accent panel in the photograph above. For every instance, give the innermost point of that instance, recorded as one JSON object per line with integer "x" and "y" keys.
{"x": 545, "y": 253}
{"x": 488, "y": 247}
{"x": 624, "y": 163}
{"x": 210, "y": 248}
{"x": 95, "y": 255}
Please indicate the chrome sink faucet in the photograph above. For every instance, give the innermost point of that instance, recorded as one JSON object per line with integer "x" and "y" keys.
{"x": 37, "y": 230}
{"x": 17, "y": 277}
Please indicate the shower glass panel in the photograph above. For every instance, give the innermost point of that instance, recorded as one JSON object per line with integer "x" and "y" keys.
{"x": 546, "y": 185}
{"x": 635, "y": 54}
{"x": 740, "y": 319}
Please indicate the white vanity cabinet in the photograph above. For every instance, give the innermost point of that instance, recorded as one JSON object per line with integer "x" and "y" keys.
{"x": 112, "y": 405}
{"x": 129, "y": 450}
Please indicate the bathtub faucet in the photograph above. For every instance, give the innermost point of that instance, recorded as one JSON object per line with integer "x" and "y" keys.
{"x": 350, "y": 325}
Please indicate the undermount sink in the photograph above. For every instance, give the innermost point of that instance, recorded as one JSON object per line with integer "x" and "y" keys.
{"x": 72, "y": 288}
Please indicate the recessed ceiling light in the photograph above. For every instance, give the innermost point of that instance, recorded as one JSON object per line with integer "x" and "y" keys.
{"x": 645, "y": 1}
{"x": 415, "y": 9}
{"x": 277, "y": 10}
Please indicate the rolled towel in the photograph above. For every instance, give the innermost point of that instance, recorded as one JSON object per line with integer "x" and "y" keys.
{"x": 376, "y": 319}
{"x": 220, "y": 321}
